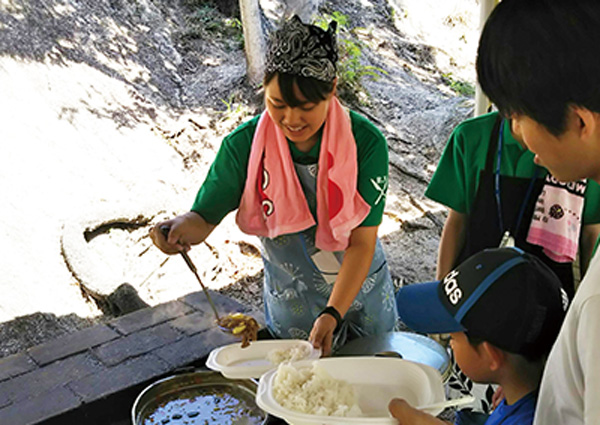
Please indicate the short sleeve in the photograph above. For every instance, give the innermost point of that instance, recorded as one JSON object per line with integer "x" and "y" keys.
{"x": 591, "y": 208}
{"x": 449, "y": 184}
{"x": 373, "y": 167}
{"x": 588, "y": 353}
{"x": 222, "y": 189}
{"x": 456, "y": 178}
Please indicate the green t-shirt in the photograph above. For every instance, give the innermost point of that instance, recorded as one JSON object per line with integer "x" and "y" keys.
{"x": 222, "y": 189}
{"x": 456, "y": 179}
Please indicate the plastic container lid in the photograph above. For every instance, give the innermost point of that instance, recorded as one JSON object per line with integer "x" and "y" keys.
{"x": 410, "y": 346}
{"x": 376, "y": 380}
{"x": 235, "y": 362}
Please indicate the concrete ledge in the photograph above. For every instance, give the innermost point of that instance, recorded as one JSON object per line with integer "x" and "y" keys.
{"x": 136, "y": 344}
{"x": 118, "y": 378}
{"x": 72, "y": 344}
{"x": 149, "y": 317}
{"x": 15, "y": 365}
{"x": 41, "y": 407}
{"x": 68, "y": 376}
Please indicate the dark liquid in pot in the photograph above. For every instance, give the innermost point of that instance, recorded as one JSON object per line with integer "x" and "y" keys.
{"x": 216, "y": 405}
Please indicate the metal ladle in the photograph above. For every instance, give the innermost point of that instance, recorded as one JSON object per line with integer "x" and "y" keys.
{"x": 227, "y": 329}
{"x": 165, "y": 231}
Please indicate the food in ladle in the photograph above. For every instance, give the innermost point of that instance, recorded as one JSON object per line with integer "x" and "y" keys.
{"x": 241, "y": 325}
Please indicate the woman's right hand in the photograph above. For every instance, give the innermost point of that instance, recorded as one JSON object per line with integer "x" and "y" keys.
{"x": 185, "y": 230}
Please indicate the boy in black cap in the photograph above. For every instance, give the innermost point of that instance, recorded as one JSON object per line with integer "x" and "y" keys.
{"x": 503, "y": 309}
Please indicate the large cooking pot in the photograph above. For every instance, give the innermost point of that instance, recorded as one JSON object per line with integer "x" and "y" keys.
{"x": 405, "y": 345}
{"x": 198, "y": 398}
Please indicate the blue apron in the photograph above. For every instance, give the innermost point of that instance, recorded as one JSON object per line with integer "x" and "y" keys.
{"x": 296, "y": 290}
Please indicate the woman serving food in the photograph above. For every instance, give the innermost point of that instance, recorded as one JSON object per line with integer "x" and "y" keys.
{"x": 310, "y": 179}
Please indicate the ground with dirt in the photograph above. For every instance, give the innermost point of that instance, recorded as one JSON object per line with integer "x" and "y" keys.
{"x": 113, "y": 110}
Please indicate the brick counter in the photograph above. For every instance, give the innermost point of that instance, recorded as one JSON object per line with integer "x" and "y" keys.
{"x": 81, "y": 369}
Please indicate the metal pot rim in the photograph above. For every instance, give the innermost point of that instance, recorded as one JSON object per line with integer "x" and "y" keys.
{"x": 186, "y": 379}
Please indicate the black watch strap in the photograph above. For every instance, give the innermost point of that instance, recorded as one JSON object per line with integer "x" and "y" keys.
{"x": 334, "y": 313}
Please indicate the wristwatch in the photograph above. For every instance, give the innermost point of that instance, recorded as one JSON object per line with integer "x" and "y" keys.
{"x": 334, "y": 313}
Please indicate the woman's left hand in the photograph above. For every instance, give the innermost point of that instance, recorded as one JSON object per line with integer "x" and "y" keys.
{"x": 321, "y": 335}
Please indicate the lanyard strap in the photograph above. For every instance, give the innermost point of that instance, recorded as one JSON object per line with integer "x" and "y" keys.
{"x": 497, "y": 185}
{"x": 526, "y": 199}
{"x": 497, "y": 176}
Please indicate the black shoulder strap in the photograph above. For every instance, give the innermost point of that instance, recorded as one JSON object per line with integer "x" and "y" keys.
{"x": 493, "y": 145}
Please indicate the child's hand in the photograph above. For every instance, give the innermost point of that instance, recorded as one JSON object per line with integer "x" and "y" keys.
{"x": 408, "y": 415}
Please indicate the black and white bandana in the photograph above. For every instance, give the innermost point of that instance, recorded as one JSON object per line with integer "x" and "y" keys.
{"x": 304, "y": 50}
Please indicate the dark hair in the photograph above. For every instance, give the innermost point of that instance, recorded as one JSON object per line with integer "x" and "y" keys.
{"x": 475, "y": 341}
{"x": 538, "y": 57}
{"x": 312, "y": 89}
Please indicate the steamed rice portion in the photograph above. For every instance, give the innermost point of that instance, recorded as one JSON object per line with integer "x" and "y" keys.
{"x": 314, "y": 391}
{"x": 291, "y": 354}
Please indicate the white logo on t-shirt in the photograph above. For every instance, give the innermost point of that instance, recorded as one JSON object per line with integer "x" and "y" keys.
{"x": 380, "y": 184}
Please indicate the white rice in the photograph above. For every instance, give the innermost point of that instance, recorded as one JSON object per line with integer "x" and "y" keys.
{"x": 314, "y": 391}
{"x": 291, "y": 354}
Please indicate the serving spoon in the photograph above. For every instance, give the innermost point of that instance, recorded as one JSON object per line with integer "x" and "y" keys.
{"x": 237, "y": 321}
{"x": 448, "y": 403}
{"x": 165, "y": 231}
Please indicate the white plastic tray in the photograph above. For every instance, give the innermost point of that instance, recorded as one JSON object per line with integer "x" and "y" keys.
{"x": 235, "y": 362}
{"x": 376, "y": 380}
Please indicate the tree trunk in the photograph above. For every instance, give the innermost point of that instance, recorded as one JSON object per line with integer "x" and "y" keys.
{"x": 254, "y": 40}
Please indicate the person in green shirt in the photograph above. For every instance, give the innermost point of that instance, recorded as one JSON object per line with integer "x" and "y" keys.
{"x": 465, "y": 181}
{"x": 310, "y": 179}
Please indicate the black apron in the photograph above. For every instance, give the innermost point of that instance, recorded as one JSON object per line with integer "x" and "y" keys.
{"x": 483, "y": 224}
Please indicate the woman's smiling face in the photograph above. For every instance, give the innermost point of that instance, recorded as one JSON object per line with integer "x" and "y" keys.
{"x": 300, "y": 124}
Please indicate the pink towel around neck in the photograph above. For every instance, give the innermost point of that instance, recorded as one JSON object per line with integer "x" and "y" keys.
{"x": 556, "y": 221}
{"x": 273, "y": 202}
